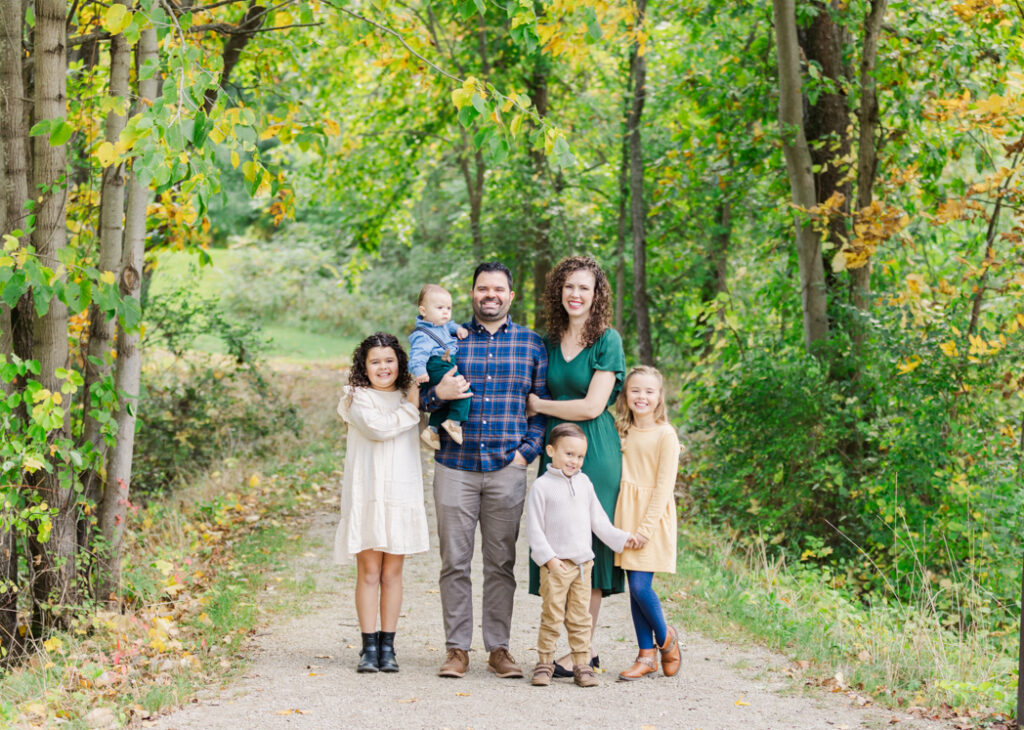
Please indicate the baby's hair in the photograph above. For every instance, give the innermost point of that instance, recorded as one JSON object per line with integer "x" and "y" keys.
{"x": 427, "y": 290}
{"x": 623, "y": 416}
{"x": 564, "y": 431}
{"x": 357, "y": 376}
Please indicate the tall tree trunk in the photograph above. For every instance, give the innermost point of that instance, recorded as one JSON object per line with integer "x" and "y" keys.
{"x": 623, "y": 227}
{"x": 233, "y": 47}
{"x": 54, "y": 564}
{"x": 828, "y": 119}
{"x": 537, "y": 87}
{"x": 101, "y": 330}
{"x": 638, "y": 213}
{"x": 114, "y": 509}
{"x": 867, "y": 147}
{"x": 473, "y": 176}
{"x": 801, "y": 178}
{"x": 15, "y": 337}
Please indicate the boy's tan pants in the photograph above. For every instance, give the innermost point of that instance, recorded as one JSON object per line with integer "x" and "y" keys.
{"x": 566, "y": 599}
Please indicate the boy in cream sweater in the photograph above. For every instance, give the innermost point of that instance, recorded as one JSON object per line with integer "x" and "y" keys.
{"x": 561, "y": 513}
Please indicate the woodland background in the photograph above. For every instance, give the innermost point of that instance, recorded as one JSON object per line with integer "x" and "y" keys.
{"x": 811, "y": 213}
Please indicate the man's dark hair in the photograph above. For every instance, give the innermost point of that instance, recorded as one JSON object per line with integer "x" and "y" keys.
{"x": 489, "y": 266}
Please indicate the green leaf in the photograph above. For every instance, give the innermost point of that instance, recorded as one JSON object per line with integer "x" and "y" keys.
{"x": 481, "y": 8}
{"x": 60, "y": 133}
{"x": 14, "y": 288}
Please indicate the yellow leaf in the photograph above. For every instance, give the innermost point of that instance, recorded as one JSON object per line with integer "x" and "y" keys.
{"x": 116, "y": 19}
{"x": 57, "y": 398}
{"x": 234, "y": 159}
{"x": 105, "y": 154}
{"x": 331, "y": 128}
{"x": 108, "y": 277}
{"x": 949, "y": 349}
{"x": 741, "y": 703}
{"x": 908, "y": 365}
{"x": 53, "y": 644}
{"x": 461, "y": 97}
{"x": 254, "y": 480}
{"x": 31, "y": 464}
{"x": 408, "y": 701}
{"x": 11, "y": 243}
{"x": 35, "y": 708}
{"x": 463, "y": 694}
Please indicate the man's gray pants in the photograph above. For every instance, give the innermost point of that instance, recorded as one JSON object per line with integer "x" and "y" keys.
{"x": 494, "y": 500}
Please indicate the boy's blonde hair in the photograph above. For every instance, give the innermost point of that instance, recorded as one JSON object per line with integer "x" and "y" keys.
{"x": 429, "y": 289}
{"x": 623, "y": 416}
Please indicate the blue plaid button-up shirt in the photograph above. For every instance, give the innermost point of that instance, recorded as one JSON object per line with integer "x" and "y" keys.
{"x": 502, "y": 369}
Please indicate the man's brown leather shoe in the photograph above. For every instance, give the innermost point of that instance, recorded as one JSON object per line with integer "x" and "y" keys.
{"x": 646, "y": 663}
{"x": 455, "y": 664}
{"x": 501, "y": 663}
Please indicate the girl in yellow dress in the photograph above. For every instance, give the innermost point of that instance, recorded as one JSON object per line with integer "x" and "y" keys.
{"x": 646, "y": 508}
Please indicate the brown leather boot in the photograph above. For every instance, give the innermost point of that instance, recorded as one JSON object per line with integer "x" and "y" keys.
{"x": 670, "y": 658}
{"x": 646, "y": 663}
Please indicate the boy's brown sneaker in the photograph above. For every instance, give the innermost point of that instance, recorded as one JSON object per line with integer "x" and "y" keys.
{"x": 455, "y": 664}
{"x": 501, "y": 663}
{"x": 583, "y": 675}
{"x": 542, "y": 674}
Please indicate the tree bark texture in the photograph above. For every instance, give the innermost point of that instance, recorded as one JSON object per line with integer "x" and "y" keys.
{"x": 473, "y": 175}
{"x": 623, "y": 227}
{"x": 101, "y": 330}
{"x": 801, "y": 178}
{"x": 867, "y": 145}
{"x": 14, "y": 194}
{"x": 537, "y": 87}
{"x": 828, "y": 119}
{"x": 14, "y": 138}
{"x": 54, "y": 570}
{"x": 638, "y": 213}
{"x": 114, "y": 508}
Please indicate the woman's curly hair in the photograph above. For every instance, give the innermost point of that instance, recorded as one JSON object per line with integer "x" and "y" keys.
{"x": 556, "y": 319}
{"x": 357, "y": 376}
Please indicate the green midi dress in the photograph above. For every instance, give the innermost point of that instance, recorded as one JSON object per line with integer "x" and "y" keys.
{"x": 603, "y": 464}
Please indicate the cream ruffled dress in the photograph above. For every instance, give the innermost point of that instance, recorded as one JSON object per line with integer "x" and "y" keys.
{"x": 382, "y": 489}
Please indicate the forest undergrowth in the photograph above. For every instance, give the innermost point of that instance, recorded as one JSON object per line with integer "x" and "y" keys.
{"x": 203, "y": 567}
{"x": 887, "y": 651}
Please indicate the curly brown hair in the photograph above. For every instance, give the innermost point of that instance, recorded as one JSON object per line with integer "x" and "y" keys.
{"x": 357, "y": 376}
{"x": 556, "y": 319}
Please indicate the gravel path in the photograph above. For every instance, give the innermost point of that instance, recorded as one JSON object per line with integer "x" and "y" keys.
{"x": 302, "y": 673}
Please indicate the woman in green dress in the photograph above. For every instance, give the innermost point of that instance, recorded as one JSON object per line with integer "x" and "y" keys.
{"x": 585, "y": 370}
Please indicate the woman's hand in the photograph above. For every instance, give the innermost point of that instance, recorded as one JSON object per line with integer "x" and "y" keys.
{"x": 413, "y": 396}
{"x": 532, "y": 402}
{"x": 639, "y": 541}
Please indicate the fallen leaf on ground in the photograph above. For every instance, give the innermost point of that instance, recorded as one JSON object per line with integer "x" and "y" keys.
{"x": 293, "y": 712}
{"x": 322, "y": 656}
{"x": 741, "y": 703}
{"x": 463, "y": 694}
{"x": 408, "y": 701}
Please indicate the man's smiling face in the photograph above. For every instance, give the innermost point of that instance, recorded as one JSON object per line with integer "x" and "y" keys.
{"x": 492, "y": 296}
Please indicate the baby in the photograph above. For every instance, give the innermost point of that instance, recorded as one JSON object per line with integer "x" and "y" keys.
{"x": 432, "y": 349}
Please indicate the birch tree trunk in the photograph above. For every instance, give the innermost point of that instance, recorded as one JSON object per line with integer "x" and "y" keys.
{"x": 638, "y": 213}
{"x": 101, "y": 330}
{"x": 114, "y": 508}
{"x": 801, "y": 177}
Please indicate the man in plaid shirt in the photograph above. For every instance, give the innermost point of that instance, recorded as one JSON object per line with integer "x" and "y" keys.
{"x": 483, "y": 479}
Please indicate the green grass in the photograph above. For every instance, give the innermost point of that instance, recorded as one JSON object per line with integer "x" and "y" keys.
{"x": 898, "y": 653}
{"x": 292, "y": 343}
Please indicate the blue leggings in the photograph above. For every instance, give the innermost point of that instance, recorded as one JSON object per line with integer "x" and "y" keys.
{"x": 648, "y": 618}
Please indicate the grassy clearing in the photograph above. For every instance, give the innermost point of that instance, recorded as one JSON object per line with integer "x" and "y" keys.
{"x": 285, "y": 341}
{"x": 198, "y": 570}
{"x": 899, "y": 655}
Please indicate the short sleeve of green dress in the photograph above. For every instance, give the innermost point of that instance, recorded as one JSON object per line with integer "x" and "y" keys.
{"x": 603, "y": 464}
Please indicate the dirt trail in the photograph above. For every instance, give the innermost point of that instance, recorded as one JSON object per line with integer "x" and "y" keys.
{"x": 302, "y": 673}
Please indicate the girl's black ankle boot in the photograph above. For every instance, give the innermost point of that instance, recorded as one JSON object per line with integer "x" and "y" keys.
{"x": 387, "y": 662}
{"x": 369, "y": 656}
